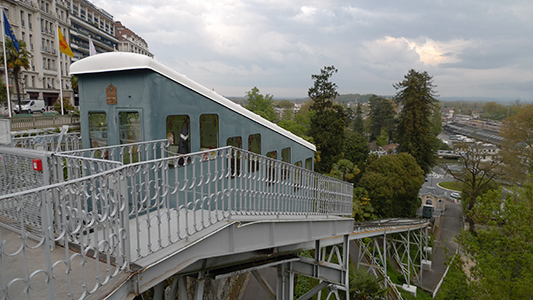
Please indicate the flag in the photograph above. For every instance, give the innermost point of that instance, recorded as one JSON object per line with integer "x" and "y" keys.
{"x": 63, "y": 45}
{"x": 9, "y": 33}
{"x": 92, "y": 50}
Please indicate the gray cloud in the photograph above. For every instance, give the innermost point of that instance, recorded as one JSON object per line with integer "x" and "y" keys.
{"x": 469, "y": 47}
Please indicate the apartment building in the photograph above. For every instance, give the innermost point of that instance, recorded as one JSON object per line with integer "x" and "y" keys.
{"x": 35, "y": 22}
{"x": 88, "y": 20}
{"x": 128, "y": 41}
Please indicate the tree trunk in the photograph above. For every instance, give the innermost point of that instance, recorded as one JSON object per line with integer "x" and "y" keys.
{"x": 16, "y": 77}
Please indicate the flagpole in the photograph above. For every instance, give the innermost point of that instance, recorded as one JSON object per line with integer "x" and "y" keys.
{"x": 59, "y": 73}
{"x": 5, "y": 65}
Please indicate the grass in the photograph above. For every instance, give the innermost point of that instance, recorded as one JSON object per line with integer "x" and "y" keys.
{"x": 452, "y": 185}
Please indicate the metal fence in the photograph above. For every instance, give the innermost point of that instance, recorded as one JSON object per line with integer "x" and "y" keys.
{"x": 108, "y": 215}
{"x": 49, "y": 142}
{"x": 43, "y": 121}
{"x": 126, "y": 153}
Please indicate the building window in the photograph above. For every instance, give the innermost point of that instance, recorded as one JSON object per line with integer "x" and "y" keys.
{"x": 272, "y": 154}
{"x": 235, "y": 141}
{"x": 286, "y": 155}
{"x": 178, "y": 134}
{"x": 309, "y": 163}
{"x": 97, "y": 129}
{"x": 130, "y": 127}
{"x": 208, "y": 131}
{"x": 254, "y": 143}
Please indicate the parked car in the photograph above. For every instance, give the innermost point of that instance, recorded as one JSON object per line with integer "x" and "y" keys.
{"x": 455, "y": 195}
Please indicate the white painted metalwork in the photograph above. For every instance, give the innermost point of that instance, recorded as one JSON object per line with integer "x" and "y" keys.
{"x": 49, "y": 142}
{"x": 116, "y": 215}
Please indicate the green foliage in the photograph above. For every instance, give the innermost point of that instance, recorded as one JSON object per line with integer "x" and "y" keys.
{"x": 3, "y": 93}
{"x": 501, "y": 250}
{"x": 476, "y": 175}
{"x": 415, "y": 130}
{"x": 328, "y": 120}
{"x": 16, "y": 60}
{"x": 381, "y": 117}
{"x": 74, "y": 83}
{"x": 494, "y": 111}
{"x": 362, "y": 209}
{"x": 358, "y": 122}
{"x": 344, "y": 170}
{"x": 364, "y": 285}
{"x": 323, "y": 91}
{"x": 355, "y": 148}
{"x": 455, "y": 284}
{"x": 393, "y": 182}
{"x": 518, "y": 144}
{"x": 67, "y": 107}
{"x": 260, "y": 104}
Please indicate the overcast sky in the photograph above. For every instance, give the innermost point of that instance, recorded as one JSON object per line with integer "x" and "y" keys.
{"x": 474, "y": 48}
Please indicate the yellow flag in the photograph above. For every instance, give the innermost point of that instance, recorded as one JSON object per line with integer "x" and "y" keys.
{"x": 63, "y": 45}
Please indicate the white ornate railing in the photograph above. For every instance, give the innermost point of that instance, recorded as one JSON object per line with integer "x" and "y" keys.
{"x": 121, "y": 214}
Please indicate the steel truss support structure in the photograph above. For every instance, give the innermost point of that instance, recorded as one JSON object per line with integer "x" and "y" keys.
{"x": 407, "y": 250}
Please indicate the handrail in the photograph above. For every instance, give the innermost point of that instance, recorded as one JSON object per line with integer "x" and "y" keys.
{"x": 122, "y": 214}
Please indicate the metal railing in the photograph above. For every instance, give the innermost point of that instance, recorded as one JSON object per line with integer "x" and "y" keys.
{"x": 49, "y": 142}
{"x": 126, "y": 153}
{"x": 108, "y": 215}
{"x": 35, "y": 122}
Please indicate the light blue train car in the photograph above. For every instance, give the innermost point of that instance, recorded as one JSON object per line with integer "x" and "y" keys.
{"x": 127, "y": 97}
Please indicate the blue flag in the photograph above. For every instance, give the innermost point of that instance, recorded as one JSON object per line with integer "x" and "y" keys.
{"x": 9, "y": 33}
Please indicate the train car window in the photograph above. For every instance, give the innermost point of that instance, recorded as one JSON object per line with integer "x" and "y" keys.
{"x": 98, "y": 129}
{"x": 273, "y": 154}
{"x": 178, "y": 128}
{"x": 298, "y": 163}
{"x": 254, "y": 143}
{"x": 130, "y": 127}
{"x": 309, "y": 163}
{"x": 208, "y": 131}
{"x": 235, "y": 141}
{"x": 235, "y": 162}
{"x": 286, "y": 155}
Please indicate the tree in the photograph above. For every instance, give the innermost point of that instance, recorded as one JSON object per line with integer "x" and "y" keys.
{"x": 358, "y": 122}
{"x": 344, "y": 170}
{"x": 381, "y": 116}
{"x": 477, "y": 176}
{"x": 501, "y": 250}
{"x": 517, "y": 146}
{"x": 415, "y": 133}
{"x": 355, "y": 148}
{"x": 494, "y": 111}
{"x": 392, "y": 182}
{"x": 261, "y": 105}
{"x": 328, "y": 120}
{"x": 16, "y": 60}
{"x": 287, "y": 107}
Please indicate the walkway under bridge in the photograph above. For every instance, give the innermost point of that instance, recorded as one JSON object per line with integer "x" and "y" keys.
{"x": 117, "y": 221}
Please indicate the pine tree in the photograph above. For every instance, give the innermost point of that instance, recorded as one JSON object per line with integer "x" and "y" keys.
{"x": 415, "y": 132}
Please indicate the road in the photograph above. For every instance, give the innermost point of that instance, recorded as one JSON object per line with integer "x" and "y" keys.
{"x": 447, "y": 227}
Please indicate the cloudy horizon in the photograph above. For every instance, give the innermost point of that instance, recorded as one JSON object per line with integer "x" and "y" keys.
{"x": 471, "y": 48}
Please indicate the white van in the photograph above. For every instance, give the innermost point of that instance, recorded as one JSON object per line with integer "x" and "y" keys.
{"x": 29, "y": 106}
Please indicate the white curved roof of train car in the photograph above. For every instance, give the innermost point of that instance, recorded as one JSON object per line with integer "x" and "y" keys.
{"x": 121, "y": 61}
